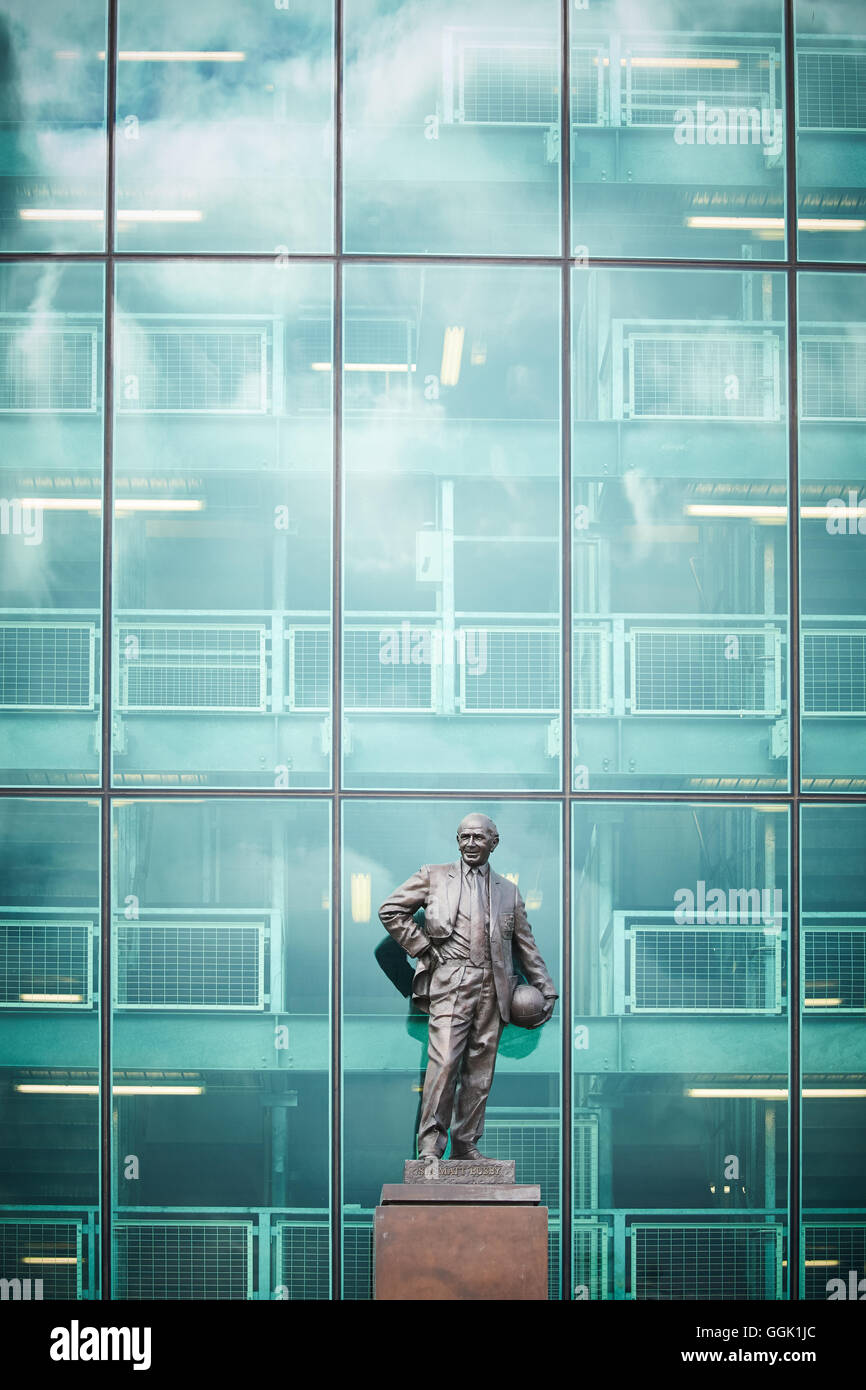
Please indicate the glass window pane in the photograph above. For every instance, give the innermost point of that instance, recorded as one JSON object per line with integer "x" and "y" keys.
{"x": 659, "y": 96}
{"x": 451, "y": 125}
{"x": 385, "y": 1036}
{"x": 224, "y": 127}
{"x": 680, "y": 542}
{"x": 831, "y": 121}
{"x": 680, "y": 1051}
{"x": 49, "y": 1056}
{"x": 834, "y": 1076}
{"x": 451, "y": 448}
{"x": 221, "y": 1155}
{"x": 223, "y": 503}
{"x": 51, "y": 446}
{"x": 832, "y": 391}
{"x": 52, "y": 188}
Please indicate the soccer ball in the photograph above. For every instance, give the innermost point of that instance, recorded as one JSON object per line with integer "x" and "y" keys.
{"x": 527, "y": 1006}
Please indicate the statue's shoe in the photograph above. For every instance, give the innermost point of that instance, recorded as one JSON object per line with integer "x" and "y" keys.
{"x": 469, "y": 1152}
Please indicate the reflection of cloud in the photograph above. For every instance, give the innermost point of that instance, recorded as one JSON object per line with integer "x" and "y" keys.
{"x": 641, "y": 493}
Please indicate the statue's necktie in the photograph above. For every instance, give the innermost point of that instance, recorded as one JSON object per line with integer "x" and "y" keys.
{"x": 477, "y": 919}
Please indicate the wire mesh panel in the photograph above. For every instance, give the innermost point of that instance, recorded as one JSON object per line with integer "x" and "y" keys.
{"x": 174, "y": 965}
{"x": 831, "y": 89}
{"x": 734, "y": 1260}
{"x": 52, "y": 1251}
{"x": 533, "y": 1142}
{"x": 591, "y": 660}
{"x": 383, "y": 669}
{"x": 183, "y": 1259}
{"x": 834, "y": 672}
{"x": 191, "y": 667}
{"x": 512, "y": 670}
{"x": 47, "y": 665}
{"x": 658, "y": 82}
{"x": 48, "y": 369}
{"x": 585, "y": 1163}
{"x": 590, "y": 1255}
{"x": 833, "y": 375}
{"x": 704, "y": 671}
{"x": 728, "y": 970}
{"x": 832, "y": 1250}
{"x": 358, "y": 1256}
{"x": 302, "y": 1258}
{"x": 379, "y": 359}
{"x": 46, "y": 963}
{"x": 310, "y": 668}
{"x": 508, "y": 84}
{"x": 589, "y": 89}
{"x": 182, "y": 370}
{"x": 703, "y": 376}
{"x": 835, "y": 969}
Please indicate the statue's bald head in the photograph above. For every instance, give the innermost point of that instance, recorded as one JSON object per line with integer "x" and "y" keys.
{"x": 477, "y": 837}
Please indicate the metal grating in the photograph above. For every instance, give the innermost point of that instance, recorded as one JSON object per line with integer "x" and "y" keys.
{"x": 173, "y": 965}
{"x": 192, "y": 667}
{"x": 358, "y": 1258}
{"x": 658, "y": 82}
{"x": 733, "y": 1260}
{"x": 591, "y": 687}
{"x": 725, "y": 970}
{"x": 509, "y": 670}
{"x": 831, "y": 89}
{"x": 585, "y": 1164}
{"x": 843, "y": 1243}
{"x": 190, "y": 370}
{"x": 52, "y": 959}
{"x": 375, "y": 674}
{"x": 174, "y": 1260}
{"x": 677, "y": 671}
{"x": 834, "y": 672}
{"x": 832, "y": 376}
{"x": 509, "y": 84}
{"x": 703, "y": 376}
{"x": 310, "y": 668}
{"x": 534, "y": 1143}
{"x": 835, "y": 970}
{"x": 588, "y": 70}
{"x": 48, "y": 369}
{"x": 47, "y": 665}
{"x": 36, "y": 1240}
{"x": 302, "y": 1256}
{"x": 590, "y": 1251}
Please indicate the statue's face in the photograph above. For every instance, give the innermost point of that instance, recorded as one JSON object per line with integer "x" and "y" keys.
{"x": 477, "y": 839}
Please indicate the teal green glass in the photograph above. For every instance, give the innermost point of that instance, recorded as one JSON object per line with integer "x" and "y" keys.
{"x": 831, "y": 130}
{"x": 52, "y": 110}
{"x": 223, "y": 469}
{"x": 677, "y": 130}
{"x": 679, "y": 458}
{"x": 220, "y": 1156}
{"x": 384, "y": 1051}
{"x": 452, "y": 524}
{"x": 451, "y": 127}
{"x": 49, "y": 1053}
{"x": 51, "y": 445}
{"x": 832, "y": 408}
{"x": 680, "y": 1057}
{"x": 224, "y": 127}
{"x": 833, "y": 1003}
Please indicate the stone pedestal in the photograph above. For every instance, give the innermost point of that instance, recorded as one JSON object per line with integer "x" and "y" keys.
{"x": 457, "y": 1238}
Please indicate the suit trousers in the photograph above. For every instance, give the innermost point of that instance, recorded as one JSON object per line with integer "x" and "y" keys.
{"x": 465, "y": 1028}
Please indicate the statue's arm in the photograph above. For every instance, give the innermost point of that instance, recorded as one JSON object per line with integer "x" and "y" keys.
{"x": 531, "y": 961}
{"x": 397, "y": 913}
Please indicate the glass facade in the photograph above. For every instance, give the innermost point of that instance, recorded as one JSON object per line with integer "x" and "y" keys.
{"x": 430, "y": 426}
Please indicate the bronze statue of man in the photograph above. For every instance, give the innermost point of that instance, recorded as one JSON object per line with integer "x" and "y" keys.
{"x": 474, "y": 939}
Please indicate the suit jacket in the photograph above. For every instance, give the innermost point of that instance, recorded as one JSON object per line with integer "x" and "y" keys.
{"x": 436, "y": 888}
